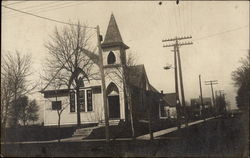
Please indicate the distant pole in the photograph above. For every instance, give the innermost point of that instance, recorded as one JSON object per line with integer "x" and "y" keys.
{"x": 103, "y": 85}
{"x": 202, "y": 104}
{"x": 211, "y": 83}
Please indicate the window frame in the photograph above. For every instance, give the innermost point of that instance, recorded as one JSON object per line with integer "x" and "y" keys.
{"x": 84, "y": 99}
{"x": 72, "y": 101}
{"x": 54, "y": 106}
{"x": 111, "y": 58}
{"x": 89, "y": 101}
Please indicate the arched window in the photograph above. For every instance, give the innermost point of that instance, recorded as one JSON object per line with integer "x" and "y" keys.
{"x": 112, "y": 89}
{"x": 111, "y": 58}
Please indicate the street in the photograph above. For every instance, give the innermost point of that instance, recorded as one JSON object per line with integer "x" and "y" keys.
{"x": 220, "y": 137}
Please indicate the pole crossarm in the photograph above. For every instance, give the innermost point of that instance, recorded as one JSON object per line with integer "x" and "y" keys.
{"x": 211, "y": 83}
{"x": 179, "y": 44}
{"x": 177, "y": 38}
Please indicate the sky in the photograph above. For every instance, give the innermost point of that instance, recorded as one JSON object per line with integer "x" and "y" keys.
{"x": 219, "y": 30}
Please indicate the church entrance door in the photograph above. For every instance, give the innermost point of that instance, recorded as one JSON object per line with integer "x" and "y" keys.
{"x": 114, "y": 107}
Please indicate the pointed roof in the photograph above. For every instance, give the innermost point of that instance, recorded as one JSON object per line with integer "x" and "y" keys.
{"x": 113, "y": 36}
{"x": 170, "y": 99}
{"x": 136, "y": 73}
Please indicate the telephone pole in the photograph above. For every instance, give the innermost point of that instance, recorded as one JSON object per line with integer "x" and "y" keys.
{"x": 222, "y": 102}
{"x": 211, "y": 83}
{"x": 176, "y": 88}
{"x": 176, "y": 46}
{"x": 202, "y": 104}
{"x": 103, "y": 85}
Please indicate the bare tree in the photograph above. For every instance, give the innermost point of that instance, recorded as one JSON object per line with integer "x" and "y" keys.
{"x": 15, "y": 70}
{"x": 67, "y": 60}
{"x": 32, "y": 111}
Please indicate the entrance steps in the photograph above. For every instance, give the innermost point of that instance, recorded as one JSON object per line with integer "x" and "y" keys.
{"x": 111, "y": 123}
{"x": 85, "y": 132}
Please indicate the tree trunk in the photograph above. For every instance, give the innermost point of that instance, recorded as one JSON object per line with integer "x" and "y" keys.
{"x": 78, "y": 107}
{"x": 59, "y": 126}
{"x": 129, "y": 100}
{"x": 131, "y": 113}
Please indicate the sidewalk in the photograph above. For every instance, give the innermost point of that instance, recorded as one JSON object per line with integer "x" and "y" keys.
{"x": 169, "y": 130}
{"x": 143, "y": 137}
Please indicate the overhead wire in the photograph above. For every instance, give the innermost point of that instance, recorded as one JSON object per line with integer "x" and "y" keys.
{"x": 50, "y": 9}
{"x": 45, "y": 9}
{"x": 20, "y": 7}
{"x": 180, "y": 20}
{"x": 159, "y": 14}
{"x": 219, "y": 33}
{"x": 15, "y": 3}
{"x": 46, "y": 18}
{"x": 166, "y": 19}
{"x": 176, "y": 22}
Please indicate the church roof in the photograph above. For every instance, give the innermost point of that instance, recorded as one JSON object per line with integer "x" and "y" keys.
{"x": 135, "y": 74}
{"x": 135, "y": 77}
{"x": 113, "y": 36}
{"x": 170, "y": 98}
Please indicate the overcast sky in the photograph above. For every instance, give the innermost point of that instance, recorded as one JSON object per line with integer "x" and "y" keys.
{"x": 220, "y": 32}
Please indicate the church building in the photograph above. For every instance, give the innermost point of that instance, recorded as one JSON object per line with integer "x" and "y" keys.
{"x": 145, "y": 98}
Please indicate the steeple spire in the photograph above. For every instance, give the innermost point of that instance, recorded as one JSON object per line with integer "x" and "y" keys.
{"x": 113, "y": 36}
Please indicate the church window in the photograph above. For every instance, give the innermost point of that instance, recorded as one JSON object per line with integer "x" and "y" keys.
{"x": 89, "y": 100}
{"x": 82, "y": 100}
{"x": 72, "y": 102}
{"x": 56, "y": 105}
{"x": 111, "y": 58}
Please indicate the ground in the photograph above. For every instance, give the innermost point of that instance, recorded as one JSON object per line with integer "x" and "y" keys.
{"x": 220, "y": 137}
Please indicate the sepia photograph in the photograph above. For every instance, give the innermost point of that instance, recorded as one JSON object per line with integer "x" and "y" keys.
{"x": 125, "y": 78}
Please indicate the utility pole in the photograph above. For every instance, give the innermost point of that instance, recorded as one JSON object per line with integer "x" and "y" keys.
{"x": 177, "y": 91}
{"x": 222, "y": 100}
{"x": 176, "y": 46}
{"x": 202, "y": 104}
{"x": 103, "y": 85}
{"x": 176, "y": 88}
{"x": 211, "y": 83}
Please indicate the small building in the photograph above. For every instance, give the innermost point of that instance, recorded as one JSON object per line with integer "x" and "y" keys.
{"x": 167, "y": 107}
{"x": 196, "y": 104}
{"x": 145, "y": 98}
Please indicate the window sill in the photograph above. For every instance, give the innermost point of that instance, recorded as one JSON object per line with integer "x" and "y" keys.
{"x": 81, "y": 112}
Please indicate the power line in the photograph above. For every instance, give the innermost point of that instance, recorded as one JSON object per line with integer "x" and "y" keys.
{"x": 37, "y": 5}
{"x": 44, "y": 9}
{"x": 46, "y": 18}
{"x": 212, "y": 35}
{"x": 40, "y": 5}
{"x": 14, "y": 3}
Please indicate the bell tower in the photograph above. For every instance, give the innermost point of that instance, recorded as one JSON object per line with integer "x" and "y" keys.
{"x": 114, "y": 58}
{"x": 114, "y": 50}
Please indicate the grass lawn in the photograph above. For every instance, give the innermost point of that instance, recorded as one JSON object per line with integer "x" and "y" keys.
{"x": 37, "y": 133}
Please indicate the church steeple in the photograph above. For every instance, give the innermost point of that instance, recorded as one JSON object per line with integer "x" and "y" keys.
{"x": 113, "y": 36}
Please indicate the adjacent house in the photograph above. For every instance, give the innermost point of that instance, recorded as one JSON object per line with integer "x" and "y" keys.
{"x": 167, "y": 107}
{"x": 196, "y": 104}
{"x": 145, "y": 98}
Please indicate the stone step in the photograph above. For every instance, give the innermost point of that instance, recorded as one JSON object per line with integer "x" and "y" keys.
{"x": 84, "y": 132}
{"x": 111, "y": 123}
